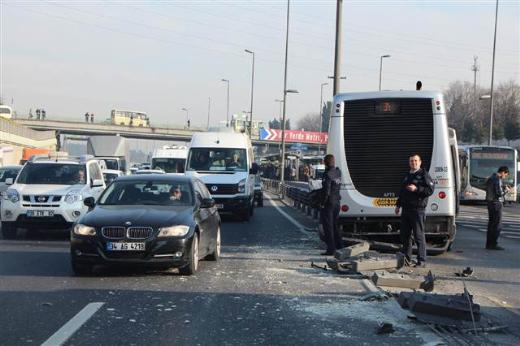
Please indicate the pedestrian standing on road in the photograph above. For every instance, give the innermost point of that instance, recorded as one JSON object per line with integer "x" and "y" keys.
{"x": 416, "y": 187}
{"x": 43, "y": 114}
{"x": 38, "y": 114}
{"x": 91, "y": 117}
{"x": 86, "y": 117}
{"x": 495, "y": 193}
{"x": 329, "y": 213}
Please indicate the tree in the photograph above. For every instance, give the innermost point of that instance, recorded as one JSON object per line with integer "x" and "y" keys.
{"x": 326, "y": 116}
{"x": 310, "y": 122}
{"x": 277, "y": 124}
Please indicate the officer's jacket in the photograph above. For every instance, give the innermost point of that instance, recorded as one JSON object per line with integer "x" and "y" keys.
{"x": 331, "y": 184}
{"x": 418, "y": 199}
{"x": 494, "y": 190}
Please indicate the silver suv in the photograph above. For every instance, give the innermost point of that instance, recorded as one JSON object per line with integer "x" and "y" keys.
{"x": 48, "y": 193}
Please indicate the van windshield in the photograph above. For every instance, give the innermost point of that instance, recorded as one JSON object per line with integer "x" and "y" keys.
{"x": 217, "y": 159}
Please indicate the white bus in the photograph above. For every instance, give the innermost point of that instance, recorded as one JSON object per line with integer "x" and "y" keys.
{"x": 129, "y": 118}
{"x": 170, "y": 159}
{"x": 372, "y": 135}
{"x": 6, "y": 112}
{"x": 478, "y": 162}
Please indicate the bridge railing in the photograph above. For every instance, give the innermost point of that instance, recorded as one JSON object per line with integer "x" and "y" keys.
{"x": 11, "y": 127}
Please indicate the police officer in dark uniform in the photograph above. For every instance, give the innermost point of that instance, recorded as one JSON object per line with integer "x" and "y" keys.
{"x": 329, "y": 214}
{"x": 495, "y": 193}
{"x": 416, "y": 187}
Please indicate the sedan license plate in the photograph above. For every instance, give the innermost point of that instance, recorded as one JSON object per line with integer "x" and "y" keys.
{"x": 40, "y": 213}
{"x": 220, "y": 206}
{"x": 125, "y": 246}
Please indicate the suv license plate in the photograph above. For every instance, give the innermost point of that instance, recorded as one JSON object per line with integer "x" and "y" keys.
{"x": 125, "y": 246}
{"x": 40, "y": 213}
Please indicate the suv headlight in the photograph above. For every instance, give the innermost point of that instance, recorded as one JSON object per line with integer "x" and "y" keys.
{"x": 173, "y": 231}
{"x": 242, "y": 186}
{"x": 12, "y": 195}
{"x": 80, "y": 229}
{"x": 73, "y": 197}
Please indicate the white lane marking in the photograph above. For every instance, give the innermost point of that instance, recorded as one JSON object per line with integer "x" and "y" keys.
{"x": 69, "y": 328}
{"x": 298, "y": 225}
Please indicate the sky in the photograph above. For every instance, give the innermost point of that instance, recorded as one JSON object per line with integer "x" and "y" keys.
{"x": 72, "y": 57}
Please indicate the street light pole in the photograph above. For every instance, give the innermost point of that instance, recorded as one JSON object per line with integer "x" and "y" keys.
{"x": 252, "y": 89}
{"x": 227, "y": 113}
{"x": 492, "y": 110}
{"x": 282, "y": 158}
{"x": 321, "y": 113}
{"x": 381, "y": 68}
{"x": 280, "y": 119}
{"x": 187, "y": 117}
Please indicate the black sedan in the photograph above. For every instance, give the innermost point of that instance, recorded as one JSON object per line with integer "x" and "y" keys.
{"x": 157, "y": 219}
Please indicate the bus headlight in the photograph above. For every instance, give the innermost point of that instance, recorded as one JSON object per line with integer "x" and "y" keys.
{"x": 435, "y": 206}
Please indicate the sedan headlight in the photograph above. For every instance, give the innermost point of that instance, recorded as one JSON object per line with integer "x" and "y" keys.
{"x": 73, "y": 197}
{"x": 12, "y": 195}
{"x": 242, "y": 186}
{"x": 80, "y": 229}
{"x": 173, "y": 231}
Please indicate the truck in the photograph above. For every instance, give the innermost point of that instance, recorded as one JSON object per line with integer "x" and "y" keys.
{"x": 112, "y": 149}
{"x": 27, "y": 153}
{"x": 170, "y": 158}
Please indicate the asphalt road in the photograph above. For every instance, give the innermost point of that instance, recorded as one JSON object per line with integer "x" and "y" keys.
{"x": 262, "y": 291}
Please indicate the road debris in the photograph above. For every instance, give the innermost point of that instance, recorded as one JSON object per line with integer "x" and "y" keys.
{"x": 465, "y": 273}
{"x": 384, "y": 278}
{"x": 385, "y": 328}
{"x": 458, "y": 307}
{"x": 351, "y": 251}
{"x": 324, "y": 267}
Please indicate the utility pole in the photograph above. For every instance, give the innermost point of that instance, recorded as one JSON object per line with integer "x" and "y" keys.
{"x": 337, "y": 54}
{"x": 475, "y": 68}
{"x": 493, "y": 79}
{"x": 252, "y": 91}
{"x": 282, "y": 156}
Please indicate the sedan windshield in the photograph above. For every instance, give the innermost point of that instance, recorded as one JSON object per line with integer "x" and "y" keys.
{"x": 147, "y": 192}
{"x": 217, "y": 159}
{"x": 53, "y": 174}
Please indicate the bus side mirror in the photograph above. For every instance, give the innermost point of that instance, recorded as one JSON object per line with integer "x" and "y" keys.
{"x": 9, "y": 181}
{"x": 254, "y": 168}
{"x": 90, "y": 202}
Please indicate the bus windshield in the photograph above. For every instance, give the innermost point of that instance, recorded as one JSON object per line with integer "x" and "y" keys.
{"x": 484, "y": 163}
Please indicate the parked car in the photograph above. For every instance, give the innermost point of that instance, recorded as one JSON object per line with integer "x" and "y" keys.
{"x": 158, "y": 219}
{"x": 48, "y": 193}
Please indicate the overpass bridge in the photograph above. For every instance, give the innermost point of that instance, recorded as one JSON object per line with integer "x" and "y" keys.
{"x": 61, "y": 127}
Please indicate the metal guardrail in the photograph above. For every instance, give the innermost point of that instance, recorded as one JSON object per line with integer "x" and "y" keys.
{"x": 298, "y": 196}
{"x": 11, "y": 127}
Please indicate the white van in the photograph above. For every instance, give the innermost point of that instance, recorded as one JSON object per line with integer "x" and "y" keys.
{"x": 224, "y": 162}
